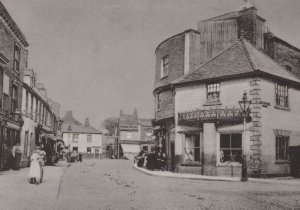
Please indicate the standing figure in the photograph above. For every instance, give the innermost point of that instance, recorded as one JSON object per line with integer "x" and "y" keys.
{"x": 80, "y": 157}
{"x": 35, "y": 167}
{"x": 17, "y": 154}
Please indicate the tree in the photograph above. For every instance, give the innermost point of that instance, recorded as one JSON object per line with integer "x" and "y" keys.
{"x": 110, "y": 124}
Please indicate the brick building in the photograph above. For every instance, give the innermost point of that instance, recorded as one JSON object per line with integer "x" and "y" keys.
{"x": 133, "y": 134}
{"x": 222, "y": 39}
{"x": 13, "y": 59}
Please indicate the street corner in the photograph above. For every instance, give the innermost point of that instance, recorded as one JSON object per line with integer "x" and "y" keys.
{"x": 186, "y": 176}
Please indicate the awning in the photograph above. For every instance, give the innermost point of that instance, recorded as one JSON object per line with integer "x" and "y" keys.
{"x": 130, "y": 148}
{"x": 234, "y": 128}
{"x": 48, "y": 136}
{"x": 189, "y": 130}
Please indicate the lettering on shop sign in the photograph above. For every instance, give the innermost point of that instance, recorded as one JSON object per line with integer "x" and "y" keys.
{"x": 210, "y": 115}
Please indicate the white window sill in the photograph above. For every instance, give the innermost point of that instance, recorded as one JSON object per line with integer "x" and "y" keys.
{"x": 282, "y": 108}
{"x": 229, "y": 164}
{"x": 212, "y": 103}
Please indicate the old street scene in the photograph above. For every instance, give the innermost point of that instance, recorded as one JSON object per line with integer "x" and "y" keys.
{"x": 149, "y": 104}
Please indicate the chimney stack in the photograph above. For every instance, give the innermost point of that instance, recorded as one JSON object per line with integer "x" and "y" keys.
{"x": 87, "y": 122}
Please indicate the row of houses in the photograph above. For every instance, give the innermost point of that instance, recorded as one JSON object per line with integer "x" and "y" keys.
{"x": 27, "y": 115}
{"x": 200, "y": 75}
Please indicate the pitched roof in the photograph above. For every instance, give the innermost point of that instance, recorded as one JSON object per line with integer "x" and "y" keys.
{"x": 240, "y": 58}
{"x": 80, "y": 129}
{"x": 230, "y": 15}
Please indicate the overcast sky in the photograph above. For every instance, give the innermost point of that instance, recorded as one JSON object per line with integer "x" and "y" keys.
{"x": 96, "y": 57}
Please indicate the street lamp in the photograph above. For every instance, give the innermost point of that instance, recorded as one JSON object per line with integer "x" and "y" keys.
{"x": 245, "y": 105}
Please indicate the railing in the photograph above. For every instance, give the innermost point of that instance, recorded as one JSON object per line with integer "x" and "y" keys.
{"x": 210, "y": 115}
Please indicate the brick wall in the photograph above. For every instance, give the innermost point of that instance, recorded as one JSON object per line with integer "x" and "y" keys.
{"x": 7, "y": 49}
{"x": 174, "y": 48}
{"x": 284, "y": 53}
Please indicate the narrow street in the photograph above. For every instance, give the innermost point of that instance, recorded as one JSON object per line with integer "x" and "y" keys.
{"x": 115, "y": 184}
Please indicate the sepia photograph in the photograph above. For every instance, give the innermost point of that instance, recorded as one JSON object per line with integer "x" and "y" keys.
{"x": 149, "y": 105}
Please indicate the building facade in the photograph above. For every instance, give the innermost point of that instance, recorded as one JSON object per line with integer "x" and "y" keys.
{"x": 41, "y": 122}
{"x": 220, "y": 40}
{"x": 133, "y": 134}
{"x": 81, "y": 138}
{"x": 13, "y": 59}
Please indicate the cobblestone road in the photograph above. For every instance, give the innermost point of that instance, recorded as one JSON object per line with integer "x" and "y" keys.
{"x": 115, "y": 184}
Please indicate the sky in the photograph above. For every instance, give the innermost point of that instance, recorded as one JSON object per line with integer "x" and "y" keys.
{"x": 96, "y": 57}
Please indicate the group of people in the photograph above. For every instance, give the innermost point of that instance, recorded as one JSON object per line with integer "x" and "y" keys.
{"x": 37, "y": 161}
{"x": 156, "y": 159}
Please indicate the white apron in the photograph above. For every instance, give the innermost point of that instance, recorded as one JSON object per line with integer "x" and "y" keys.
{"x": 35, "y": 170}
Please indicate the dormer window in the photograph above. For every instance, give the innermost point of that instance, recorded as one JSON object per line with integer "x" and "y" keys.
{"x": 164, "y": 66}
{"x": 17, "y": 58}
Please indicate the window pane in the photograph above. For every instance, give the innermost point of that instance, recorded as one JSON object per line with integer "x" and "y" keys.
{"x": 225, "y": 156}
{"x": 236, "y": 140}
{"x": 237, "y": 156}
{"x": 225, "y": 141}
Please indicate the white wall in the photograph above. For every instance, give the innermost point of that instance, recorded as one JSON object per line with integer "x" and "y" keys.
{"x": 82, "y": 142}
{"x": 194, "y": 97}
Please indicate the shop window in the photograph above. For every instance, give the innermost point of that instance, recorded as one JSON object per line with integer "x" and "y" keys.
{"x": 231, "y": 148}
{"x": 282, "y": 148}
{"x": 89, "y": 138}
{"x": 89, "y": 150}
{"x": 75, "y": 137}
{"x": 281, "y": 92}
{"x": 213, "y": 92}
{"x": 75, "y": 149}
{"x": 192, "y": 148}
{"x": 164, "y": 66}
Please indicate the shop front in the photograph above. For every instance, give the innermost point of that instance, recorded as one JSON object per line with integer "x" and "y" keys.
{"x": 210, "y": 142}
{"x": 10, "y": 136}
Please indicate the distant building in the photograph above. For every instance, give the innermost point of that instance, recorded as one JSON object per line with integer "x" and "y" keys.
{"x": 81, "y": 138}
{"x": 133, "y": 134}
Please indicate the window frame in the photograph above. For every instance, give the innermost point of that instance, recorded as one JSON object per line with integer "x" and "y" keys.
{"x": 281, "y": 91}
{"x": 14, "y": 98}
{"x": 73, "y": 139}
{"x": 196, "y": 159}
{"x": 213, "y": 88}
{"x": 17, "y": 57}
{"x": 219, "y": 149}
{"x": 89, "y": 140}
{"x": 286, "y": 157}
{"x": 164, "y": 67}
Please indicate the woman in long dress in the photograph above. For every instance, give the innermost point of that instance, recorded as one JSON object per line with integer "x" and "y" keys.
{"x": 35, "y": 169}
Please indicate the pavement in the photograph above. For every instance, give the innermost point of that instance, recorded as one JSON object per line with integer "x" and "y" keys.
{"x": 17, "y": 193}
{"x": 278, "y": 180}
